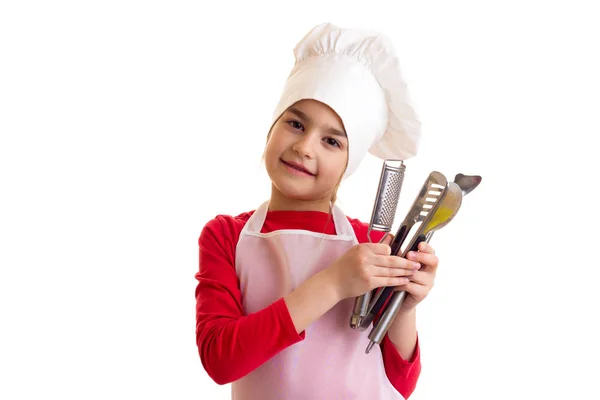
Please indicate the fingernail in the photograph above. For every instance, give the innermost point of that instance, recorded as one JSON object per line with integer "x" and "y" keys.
{"x": 417, "y": 265}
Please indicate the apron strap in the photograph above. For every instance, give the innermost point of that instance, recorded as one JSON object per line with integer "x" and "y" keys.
{"x": 256, "y": 220}
{"x": 342, "y": 225}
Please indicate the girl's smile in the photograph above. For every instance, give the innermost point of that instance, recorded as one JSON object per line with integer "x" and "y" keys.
{"x": 297, "y": 169}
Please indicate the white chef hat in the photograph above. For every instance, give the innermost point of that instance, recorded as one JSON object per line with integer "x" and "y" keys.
{"x": 357, "y": 74}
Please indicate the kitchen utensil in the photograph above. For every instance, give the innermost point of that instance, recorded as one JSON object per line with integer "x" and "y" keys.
{"x": 444, "y": 213}
{"x": 424, "y": 206}
{"x": 382, "y": 219}
{"x": 467, "y": 183}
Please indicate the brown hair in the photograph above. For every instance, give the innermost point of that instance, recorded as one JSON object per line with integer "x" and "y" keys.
{"x": 337, "y": 186}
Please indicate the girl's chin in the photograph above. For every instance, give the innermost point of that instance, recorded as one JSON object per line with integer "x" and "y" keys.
{"x": 297, "y": 192}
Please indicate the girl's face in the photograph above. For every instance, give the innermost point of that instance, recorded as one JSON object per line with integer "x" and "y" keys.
{"x": 305, "y": 157}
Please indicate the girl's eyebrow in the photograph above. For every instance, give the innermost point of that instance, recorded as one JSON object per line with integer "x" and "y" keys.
{"x": 302, "y": 115}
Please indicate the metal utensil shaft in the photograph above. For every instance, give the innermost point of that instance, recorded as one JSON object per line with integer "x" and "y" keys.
{"x": 392, "y": 309}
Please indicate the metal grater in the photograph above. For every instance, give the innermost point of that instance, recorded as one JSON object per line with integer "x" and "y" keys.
{"x": 388, "y": 193}
{"x": 382, "y": 219}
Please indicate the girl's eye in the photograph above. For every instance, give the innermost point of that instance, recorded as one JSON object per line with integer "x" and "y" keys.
{"x": 296, "y": 125}
{"x": 332, "y": 142}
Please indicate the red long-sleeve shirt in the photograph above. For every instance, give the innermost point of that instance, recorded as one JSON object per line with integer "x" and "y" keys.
{"x": 232, "y": 344}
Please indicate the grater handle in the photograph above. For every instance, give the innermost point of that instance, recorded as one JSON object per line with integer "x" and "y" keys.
{"x": 360, "y": 310}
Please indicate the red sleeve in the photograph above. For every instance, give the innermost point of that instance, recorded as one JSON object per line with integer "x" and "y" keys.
{"x": 402, "y": 374}
{"x": 232, "y": 344}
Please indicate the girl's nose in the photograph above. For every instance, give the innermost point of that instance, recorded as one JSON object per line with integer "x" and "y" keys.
{"x": 305, "y": 146}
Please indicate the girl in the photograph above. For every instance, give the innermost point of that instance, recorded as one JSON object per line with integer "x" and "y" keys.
{"x": 276, "y": 286}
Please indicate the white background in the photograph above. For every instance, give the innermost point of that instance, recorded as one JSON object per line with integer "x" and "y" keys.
{"x": 125, "y": 126}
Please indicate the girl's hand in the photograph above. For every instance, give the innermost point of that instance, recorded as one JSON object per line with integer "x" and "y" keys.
{"x": 367, "y": 266}
{"x": 422, "y": 280}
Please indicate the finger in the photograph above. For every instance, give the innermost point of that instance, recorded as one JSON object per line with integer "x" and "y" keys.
{"x": 422, "y": 278}
{"x": 383, "y": 247}
{"x": 379, "y": 248}
{"x": 388, "y": 238}
{"x": 395, "y": 262}
{"x": 428, "y": 260}
{"x": 391, "y": 272}
{"x": 391, "y": 281}
{"x": 426, "y": 248}
{"x": 418, "y": 292}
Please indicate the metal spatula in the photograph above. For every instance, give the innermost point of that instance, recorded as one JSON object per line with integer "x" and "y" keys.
{"x": 467, "y": 184}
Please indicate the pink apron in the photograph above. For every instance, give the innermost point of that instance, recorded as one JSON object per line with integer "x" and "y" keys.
{"x": 330, "y": 363}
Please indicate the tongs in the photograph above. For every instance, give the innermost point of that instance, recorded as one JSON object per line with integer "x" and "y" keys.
{"x": 441, "y": 214}
{"x": 435, "y": 206}
{"x": 424, "y": 207}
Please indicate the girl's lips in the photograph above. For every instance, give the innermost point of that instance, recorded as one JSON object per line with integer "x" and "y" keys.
{"x": 297, "y": 168}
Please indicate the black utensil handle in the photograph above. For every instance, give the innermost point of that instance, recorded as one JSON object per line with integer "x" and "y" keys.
{"x": 398, "y": 240}
{"x": 390, "y": 289}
